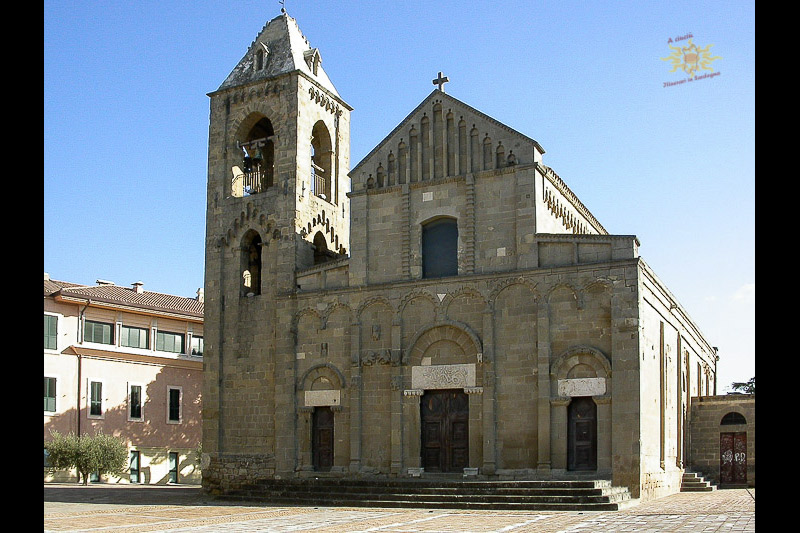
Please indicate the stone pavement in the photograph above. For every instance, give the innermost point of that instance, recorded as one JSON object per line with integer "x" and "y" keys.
{"x": 185, "y": 509}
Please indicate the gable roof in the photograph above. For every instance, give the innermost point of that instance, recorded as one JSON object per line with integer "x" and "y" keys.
{"x": 285, "y": 50}
{"x": 436, "y": 93}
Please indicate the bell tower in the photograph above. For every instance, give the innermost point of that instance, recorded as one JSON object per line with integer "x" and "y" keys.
{"x": 278, "y": 163}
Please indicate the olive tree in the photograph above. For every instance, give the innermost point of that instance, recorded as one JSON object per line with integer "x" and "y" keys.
{"x": 100, "y": 453}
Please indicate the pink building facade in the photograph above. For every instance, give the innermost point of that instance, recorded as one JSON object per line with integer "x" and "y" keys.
{"x": 126, "y": 362}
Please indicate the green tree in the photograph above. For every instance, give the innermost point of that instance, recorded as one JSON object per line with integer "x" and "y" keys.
{"x": 748, "y": 387}
{"x": 100, "y": 453}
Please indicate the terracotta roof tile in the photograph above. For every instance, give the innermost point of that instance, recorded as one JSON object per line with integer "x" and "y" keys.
{"x": 116, "y": 294}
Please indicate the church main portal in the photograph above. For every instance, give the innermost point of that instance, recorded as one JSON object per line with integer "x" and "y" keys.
{"x": 445, "y": 430}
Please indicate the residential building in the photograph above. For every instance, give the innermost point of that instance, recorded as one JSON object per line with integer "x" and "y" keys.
{"x": 129, "y": 363}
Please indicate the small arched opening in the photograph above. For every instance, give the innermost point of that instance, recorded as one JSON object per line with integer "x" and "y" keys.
{"x": 251, "y": 264}
{"x": 322, "y": 162}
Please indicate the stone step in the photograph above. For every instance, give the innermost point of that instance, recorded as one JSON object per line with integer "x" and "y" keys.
{"x": 694, "y": 482}
{"x": 417, "y": 484}
{"x": 584, "y": 495}
{"x": 499, "y": 506}
{"x": 488, "y": 498}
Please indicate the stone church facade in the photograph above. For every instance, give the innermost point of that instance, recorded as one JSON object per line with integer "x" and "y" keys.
{"x": 446, "y": 307}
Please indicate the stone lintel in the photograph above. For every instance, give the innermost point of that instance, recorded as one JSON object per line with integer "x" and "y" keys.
{"x": 321, "y": 398}
{"x": 581, "y": 387}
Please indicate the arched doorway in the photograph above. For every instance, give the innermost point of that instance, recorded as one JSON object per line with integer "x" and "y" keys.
{"x": 582, "y": 434}
{"x": 733, "y": 450}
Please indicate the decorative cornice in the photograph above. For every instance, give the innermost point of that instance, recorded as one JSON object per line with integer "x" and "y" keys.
{"x": 562, "y": 187}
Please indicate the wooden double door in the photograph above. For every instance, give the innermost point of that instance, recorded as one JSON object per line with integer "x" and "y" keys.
{"x": 444, "y": 418}
{"x": 733, "y": 458}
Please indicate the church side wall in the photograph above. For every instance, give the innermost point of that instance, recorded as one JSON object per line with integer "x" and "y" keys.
{"x": 670, "y": 344}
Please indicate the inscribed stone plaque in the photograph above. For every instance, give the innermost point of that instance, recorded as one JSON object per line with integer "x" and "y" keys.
{"x": 582, "y": 387}
{"x": 443, "y": 376}
{"x": 322, "y": 398}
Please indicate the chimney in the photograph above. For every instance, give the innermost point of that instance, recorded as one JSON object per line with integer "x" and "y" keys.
{"x": 46, "y": 276}
{"x": 137, "y": 287}
{"x": 104, "y": 282}
{"x": 201, "y": 295}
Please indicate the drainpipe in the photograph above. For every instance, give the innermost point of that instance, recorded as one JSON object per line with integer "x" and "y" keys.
{"x": 80, "y": 338}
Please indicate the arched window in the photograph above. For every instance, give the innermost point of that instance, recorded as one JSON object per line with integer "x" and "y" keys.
{"x": 259, "y": 157}
{"x": 251, "y": 264}
{"x": 321, "y": 253}
{"x": 321, "y": 162}
{"x": 440, "y": 248}
{"x": 732, "y": 419}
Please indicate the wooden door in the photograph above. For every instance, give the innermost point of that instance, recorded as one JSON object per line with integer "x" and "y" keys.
{"x": 733, "y": 458}
{"x": 582, "y": 434}
{"x": 445, "y": 431}
{"x": 322, "y": 438}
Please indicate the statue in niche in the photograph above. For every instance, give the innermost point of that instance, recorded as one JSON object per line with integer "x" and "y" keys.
{"x": 376, "y": 332}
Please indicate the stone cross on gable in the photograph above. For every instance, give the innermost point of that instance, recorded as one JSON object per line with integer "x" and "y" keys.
{"x": 440, "y": 81}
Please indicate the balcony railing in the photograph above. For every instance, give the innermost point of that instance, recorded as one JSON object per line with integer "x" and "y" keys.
{"x": 253, "y": 182}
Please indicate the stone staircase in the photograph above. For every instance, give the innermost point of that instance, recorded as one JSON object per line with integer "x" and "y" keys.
{"x": 694, "y": 482}
{"x": 578, "y": 495}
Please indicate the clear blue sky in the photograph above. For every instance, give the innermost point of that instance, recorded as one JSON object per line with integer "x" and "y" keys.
{"x": 126, "y": 125}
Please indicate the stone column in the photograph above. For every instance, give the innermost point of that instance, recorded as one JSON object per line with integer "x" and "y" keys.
{"x": 411, "y": 429}
{"x": 355, "y": 419}
{"x": 487, "y": 360}
{"x": 543, "y": 381}
{"x": 396, "y": 398}
{"x": 558, "y": 436}
{"x": 303, "y": 438}
{"x": 477, "y": 427}
{"x": 604, "y": 430}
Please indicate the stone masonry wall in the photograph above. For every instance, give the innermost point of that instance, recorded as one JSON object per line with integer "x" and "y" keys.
{"x": 706, "y": 414}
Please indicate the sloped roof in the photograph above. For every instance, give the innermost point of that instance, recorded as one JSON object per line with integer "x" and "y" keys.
{"x": 436, "y": 93}
{"x": 285, "y": 50}
{"x": 52, "y": 286}
{"x": 115, "y": 295}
